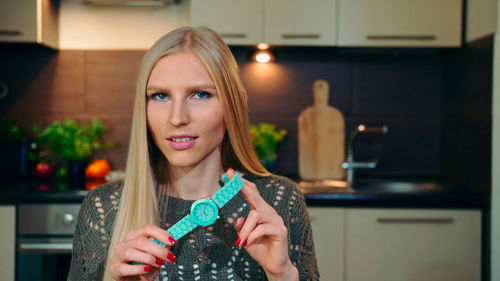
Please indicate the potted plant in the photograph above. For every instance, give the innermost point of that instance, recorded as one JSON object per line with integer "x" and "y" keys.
{"x": 74, "y": 143}
{"x": 265, "y": 139}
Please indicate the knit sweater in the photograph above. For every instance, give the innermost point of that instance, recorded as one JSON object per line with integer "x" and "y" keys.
{"x": 206, "y": 253}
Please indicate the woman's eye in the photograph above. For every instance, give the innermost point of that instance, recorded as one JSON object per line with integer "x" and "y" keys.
{"x": 159, "y": 96}
{"x": 202, "y": 95}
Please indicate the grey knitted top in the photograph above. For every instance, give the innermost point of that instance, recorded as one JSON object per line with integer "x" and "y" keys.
{"x": 206, "y": 253}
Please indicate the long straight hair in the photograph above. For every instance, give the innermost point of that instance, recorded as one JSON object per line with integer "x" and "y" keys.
{"x": 146, "y": 172}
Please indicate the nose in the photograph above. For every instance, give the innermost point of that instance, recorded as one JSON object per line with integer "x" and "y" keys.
{"x": 179, "y": 115}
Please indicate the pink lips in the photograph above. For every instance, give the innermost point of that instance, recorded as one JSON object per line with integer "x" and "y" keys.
{"x": 183, "y": 143}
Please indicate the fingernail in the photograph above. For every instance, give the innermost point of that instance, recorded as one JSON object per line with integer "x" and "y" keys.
{"x": 171, "y": 257}
{"x": 159, "y": 261}
{"x": 245, "y": 244}
{"x": 238, "y": 241}
{"x": 148, "y": 268}
{"x": 172, "y": 240}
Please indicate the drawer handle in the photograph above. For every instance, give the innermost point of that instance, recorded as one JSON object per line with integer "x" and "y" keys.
{"x": 233, "y": 35}
{"x": 300, "y": 36}
{"x": 402, "y": 37}
{"x": 416, "y": 220}
{"x": 4, "y": 32}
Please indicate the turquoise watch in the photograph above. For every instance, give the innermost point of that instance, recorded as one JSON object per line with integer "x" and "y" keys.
{"x": 204, "y": 212}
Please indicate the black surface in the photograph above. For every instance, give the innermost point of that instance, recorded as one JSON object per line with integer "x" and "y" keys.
{"x": 457, "y": 197}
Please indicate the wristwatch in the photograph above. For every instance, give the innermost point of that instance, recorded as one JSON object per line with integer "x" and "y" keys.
{"x": 206, "y": 211}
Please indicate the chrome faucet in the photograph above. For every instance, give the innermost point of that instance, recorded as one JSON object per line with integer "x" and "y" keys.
{"x": 350, "y": 165}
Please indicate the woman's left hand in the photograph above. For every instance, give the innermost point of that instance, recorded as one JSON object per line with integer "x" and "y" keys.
{"x": 264, "y": 235}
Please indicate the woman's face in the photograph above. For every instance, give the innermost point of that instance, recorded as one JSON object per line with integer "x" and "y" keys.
{"x": 183, "y": 112}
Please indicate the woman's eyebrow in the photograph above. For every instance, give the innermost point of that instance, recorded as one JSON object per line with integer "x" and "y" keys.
{"x": 202, "y": 86}
{"x": 155, "y": 89}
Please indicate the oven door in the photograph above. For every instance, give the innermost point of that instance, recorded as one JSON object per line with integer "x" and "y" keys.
{"x": 43, "y": 259}
{"x": 44, "y": 241}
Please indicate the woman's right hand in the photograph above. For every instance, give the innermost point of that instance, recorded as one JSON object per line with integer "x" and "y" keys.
{"x": 138, "y": 247}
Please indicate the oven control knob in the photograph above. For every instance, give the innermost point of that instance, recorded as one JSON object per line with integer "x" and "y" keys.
{"x": 67, "y": 219}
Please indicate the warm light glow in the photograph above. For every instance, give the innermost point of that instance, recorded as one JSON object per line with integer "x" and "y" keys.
{"x": 263, "y": 56}
{"x": 262, "y": 46}
{"x": 361, "y": 128}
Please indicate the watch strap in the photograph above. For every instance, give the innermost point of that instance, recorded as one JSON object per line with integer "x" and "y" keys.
{"x": 229, "y": 190}
{"x": 182, "y": 227}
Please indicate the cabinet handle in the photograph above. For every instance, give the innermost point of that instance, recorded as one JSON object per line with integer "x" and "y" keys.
{"x": 300, "y": 36}
{"x": 233, "y": 35}
{"x": 402, "y": 37}
{"x": 416, "y": 220}
{"x": 5, "y": 32}
{"x": 46, "y": 247}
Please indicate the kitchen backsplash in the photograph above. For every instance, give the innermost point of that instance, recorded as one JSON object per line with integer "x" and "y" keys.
{"x": 409, "y": 90}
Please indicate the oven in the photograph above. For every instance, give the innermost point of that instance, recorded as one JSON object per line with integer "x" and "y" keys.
{"x": 44, "y": 241}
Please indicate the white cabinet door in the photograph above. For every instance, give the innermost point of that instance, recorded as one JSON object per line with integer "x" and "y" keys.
{"x": 239, "y": 22}
{"x": 417, "y": 245}
{"x": 7, "y": 242}
{"x": 400, "y": 23}
{"x": 30, "y": 21}
{"x": 300, "y": 22}
{"x": 328, "y": 234}
{"x": 18, "y": 21}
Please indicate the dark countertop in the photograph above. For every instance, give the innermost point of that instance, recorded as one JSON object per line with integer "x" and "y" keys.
{"x": 461, "y": 197}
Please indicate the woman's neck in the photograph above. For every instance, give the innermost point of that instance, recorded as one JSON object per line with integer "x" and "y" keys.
{"x": 195, "y": 182}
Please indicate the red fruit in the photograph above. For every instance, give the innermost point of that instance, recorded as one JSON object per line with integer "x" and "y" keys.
{"x": 44, "y": 170}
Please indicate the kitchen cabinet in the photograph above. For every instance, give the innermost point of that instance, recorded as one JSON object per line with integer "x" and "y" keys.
{"x": 299, "y": 22}
{"x": 399, "y": 244}
{"x": 400, "y": 23}
{"x": 7, "y": 242}
{"x": 277, "y": 22}
{"x": 29, "y": 21}
{"x": 481, "y": 19}
{"x": 239, "y": 22}
{"x": 328, "y": 234}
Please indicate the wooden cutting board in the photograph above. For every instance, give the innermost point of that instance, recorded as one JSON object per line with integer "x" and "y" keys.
{"x": 321, "y": 133}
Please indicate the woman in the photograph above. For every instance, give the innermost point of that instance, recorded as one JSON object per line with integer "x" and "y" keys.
{"x": 190, "y": 126}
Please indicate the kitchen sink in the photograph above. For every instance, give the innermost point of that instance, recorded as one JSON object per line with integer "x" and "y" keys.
{"x": 371, "y": 186}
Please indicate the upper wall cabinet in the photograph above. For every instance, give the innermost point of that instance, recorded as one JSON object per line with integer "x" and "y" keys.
{"x": 277, "y": 22}
{"x": 400, "y": 23}
{"x": 300, "y": 22}
{"x": 29, "y": 21}
{"x": 239, "y": 22}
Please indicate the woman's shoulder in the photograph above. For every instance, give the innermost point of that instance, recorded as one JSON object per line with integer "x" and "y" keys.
{"x": 104, "y": 197}
{"x": 274, "y": 183}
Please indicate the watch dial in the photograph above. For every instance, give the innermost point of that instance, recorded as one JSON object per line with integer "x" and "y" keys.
{"x": 204, "y": 211}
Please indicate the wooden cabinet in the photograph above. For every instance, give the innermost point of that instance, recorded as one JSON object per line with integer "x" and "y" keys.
{"x": 32, "y": 21}
{"x": 277, "y": 22}
{"x": 430, "y": 245}
{"x": 400, "y": 23}
{"x": 239, "y": 22}
{"x": 328, "y": 234}
{"x": 7, "y": 242}
{"x": 300, "y": 22}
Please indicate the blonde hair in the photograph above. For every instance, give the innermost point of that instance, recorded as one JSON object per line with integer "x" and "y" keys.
{"x": 146, "y": 175}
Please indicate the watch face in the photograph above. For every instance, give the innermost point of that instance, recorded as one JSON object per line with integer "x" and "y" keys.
{"x": 204, "y": 212}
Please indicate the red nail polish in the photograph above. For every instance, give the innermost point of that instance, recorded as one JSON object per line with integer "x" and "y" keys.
{"x": 159, "y": 261}
{"x": 238, "y": 241}
{"x": 172, "y": 240}
{"x": 148, "y": 268}
{"x": 171, "y": 257}
{"x": 245, "y": 244}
